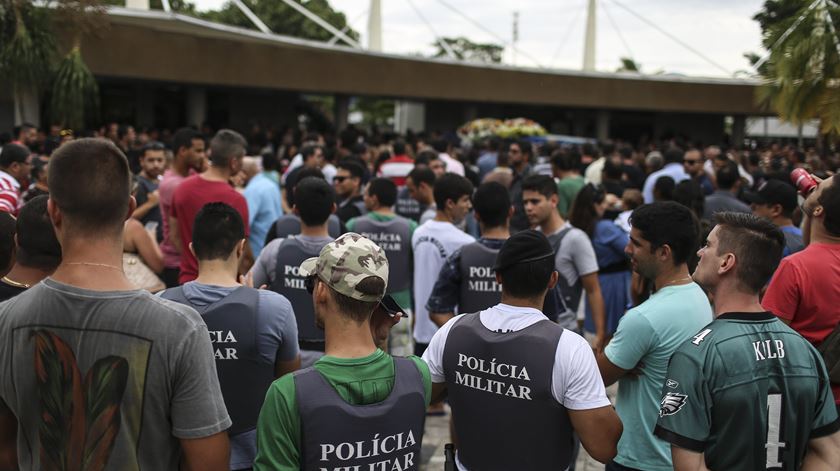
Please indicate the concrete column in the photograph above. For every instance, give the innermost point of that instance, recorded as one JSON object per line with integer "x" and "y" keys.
{"x": 375, "y": 26}
{"x": 409, "y": 115}
{"x": 27, "y": 106}
{"x": 739, "y": 129}
{"x": 589, "y": 37}
{"x": 341, "y": 110}
{"x": 602, "y": 125}
{"x": 196, "y": 106}
{"x": 138, "y": 4}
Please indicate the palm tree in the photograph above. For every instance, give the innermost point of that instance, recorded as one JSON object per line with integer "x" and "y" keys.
{"x": 801, "y": 76}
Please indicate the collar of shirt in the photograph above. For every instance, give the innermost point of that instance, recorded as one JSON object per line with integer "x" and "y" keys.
{"x": 508, "y": 309}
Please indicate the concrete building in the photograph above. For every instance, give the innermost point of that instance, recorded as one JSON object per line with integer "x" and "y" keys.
{"x": 162, "y": 69}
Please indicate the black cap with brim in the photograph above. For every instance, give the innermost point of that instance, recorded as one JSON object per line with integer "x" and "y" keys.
{"x": 390, "y": 306}
{"x": 523, "y": 247}
{"x": 774, "y": 192}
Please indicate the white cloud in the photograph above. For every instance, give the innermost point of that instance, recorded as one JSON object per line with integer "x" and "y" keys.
{"x": 552, "y": 30}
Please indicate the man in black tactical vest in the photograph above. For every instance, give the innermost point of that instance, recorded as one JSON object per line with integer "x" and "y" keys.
{"x": 289, "y": 224}
{"x": 467, "y": 279}
{"x": 520, "y": 385}
{"x": 349, "y": 183}
{"x": 254, "y": 334}
{"x": 393, "y": 234}
{"x": 277, "y": 265}
{"x": 357, "y": 407}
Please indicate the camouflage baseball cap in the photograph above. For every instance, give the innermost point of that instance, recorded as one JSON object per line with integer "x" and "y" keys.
{"x": 345, "y": 262}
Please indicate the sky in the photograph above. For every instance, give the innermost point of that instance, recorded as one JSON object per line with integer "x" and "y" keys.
{"x": 551, "y": 32}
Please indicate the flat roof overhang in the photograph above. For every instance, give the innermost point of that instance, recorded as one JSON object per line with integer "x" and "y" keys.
{"x": 158, "y": 46}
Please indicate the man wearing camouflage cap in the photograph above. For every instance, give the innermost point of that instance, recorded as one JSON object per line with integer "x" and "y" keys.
{"x": 356, "y": 407}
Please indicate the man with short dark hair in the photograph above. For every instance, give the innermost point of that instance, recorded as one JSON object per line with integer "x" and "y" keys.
{"x": 26, "y": 135}
{"x": 805, "y": 290}
{"x": 725, "y": 197}
{"x": 227, "y": 148}
{"x": 443, "y": 148}
{"x": 15, "y": 164}
{"x": 520, "y": 154}
{"x": 393, "y": 234}
{"x": 746, "y": 392}
{"x": 693, "y": 165}
{"x": 432, "y": 243}
{"x": 416, "y": 200}
{"x": 278, "y": 262}
{"x": 520, "y": 385}
{"x": 152, "y": 164}
{"x": 356, "y": 395}
{"x": 37, "y": 253}
{"x": 253, "y": 332}
{"x": 313, "y": 157}
{"x": 574, "y": 259}
{"x": 289, "y": 223}
{"x": 348, "y": 187}
{"x": 130, "y": 376}
{"x": 466, "y": 282}
{"x": 662, "y": 237}
{"x": 775, "y": 201}
{"x": 188, "y": 158}
{"x": 673, "y": 168}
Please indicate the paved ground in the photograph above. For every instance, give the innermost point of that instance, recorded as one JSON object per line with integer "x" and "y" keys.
{"x": 437, "y": 435}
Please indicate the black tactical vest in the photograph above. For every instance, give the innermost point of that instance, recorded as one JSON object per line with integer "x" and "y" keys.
{"x": 479, "y": 289}
{"x": 244, "y": 376}
{"x": 499, "y": 387}
{"x": 562, "y": 302}
{"x": 289, "y": 283}
{"x": 289, "y": 225}
{"x": 394, "y": 237}
{"x": 337, "y": 435}
{"x": 407, "y": 206}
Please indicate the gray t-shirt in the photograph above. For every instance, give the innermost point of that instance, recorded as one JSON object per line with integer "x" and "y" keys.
{"x": 277, "y": 340}
{"x": 106, "y": 380}
{"x": 575, "y": 258}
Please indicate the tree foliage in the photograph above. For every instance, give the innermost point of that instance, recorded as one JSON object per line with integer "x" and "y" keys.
{"x": 629, "y": 65}
{"x": 801, "y": 77}
{"x": 467, "y": 50}
{"x": 283, "y": 19}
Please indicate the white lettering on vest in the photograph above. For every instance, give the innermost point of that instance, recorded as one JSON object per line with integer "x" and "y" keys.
{"x": 369, "y": 448}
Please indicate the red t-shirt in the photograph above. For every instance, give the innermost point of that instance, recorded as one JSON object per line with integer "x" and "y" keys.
{"x": 396, "y": 168}
{"x": 805, "y": 290}
{"x": 192, "y": 194}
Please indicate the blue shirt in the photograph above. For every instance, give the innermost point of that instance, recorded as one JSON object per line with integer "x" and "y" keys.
{"x": 793, "y": 240}
{"x": 486, "y": 163}
{"x": 673, "y": 170}
{"x": 263, "y": 198}
{"x": 650, "y": 333}
{"x": 276, "y": 341}
{"x": 609, "y": 242}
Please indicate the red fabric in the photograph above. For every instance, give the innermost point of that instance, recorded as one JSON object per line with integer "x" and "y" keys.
{"x": 9, "y": 194}
{"x": 190, "y": 196}
{"x": 806, "y": 291}
{"x": 396, "y": 168}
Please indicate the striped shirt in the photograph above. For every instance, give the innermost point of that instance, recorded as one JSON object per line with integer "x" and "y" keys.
{"x": 397, "y": 169}
{"x": 9, "y": 193}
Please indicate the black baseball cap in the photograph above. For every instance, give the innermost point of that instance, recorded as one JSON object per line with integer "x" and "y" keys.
{"x": 523, "y": 247}
{"x": 774, "y": 192}
{"x": 390, "y": 306}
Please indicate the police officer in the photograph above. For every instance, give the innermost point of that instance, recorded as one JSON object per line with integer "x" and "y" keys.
{"x": 393, "y": 234}
{"x": 520, "y": 385}
{"x": 357, "y": 407}
{"x": 253, "y": 333}
{"x": 289, "y": 224}
{"x": 467, "y": 280}
{"x": 277, "y": 265}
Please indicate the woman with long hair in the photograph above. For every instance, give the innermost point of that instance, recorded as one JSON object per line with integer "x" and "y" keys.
{"x": 608, "y": 240}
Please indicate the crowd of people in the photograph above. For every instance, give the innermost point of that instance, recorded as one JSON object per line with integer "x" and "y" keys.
{"x": 299, "y": 300}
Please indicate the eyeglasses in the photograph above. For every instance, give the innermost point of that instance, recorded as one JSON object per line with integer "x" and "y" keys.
{"x": 691, "y": 162}
{"x": 309, "y": 283}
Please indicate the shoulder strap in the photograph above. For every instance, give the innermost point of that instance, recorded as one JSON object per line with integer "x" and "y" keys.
{"x": 557, "y": 239}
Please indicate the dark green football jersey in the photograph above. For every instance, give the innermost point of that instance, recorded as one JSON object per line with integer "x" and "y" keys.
{"x": 748, "y": 392}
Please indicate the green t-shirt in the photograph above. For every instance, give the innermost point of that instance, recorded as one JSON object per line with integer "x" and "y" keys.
{"x": 358, "y": 381}
{"x": 567, "y": 189}
{"x": 749, "y": 392}
{"x": 402, "y": 297}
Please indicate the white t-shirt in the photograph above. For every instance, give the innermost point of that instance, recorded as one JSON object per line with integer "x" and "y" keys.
{"x": 432, "y": 243}
{"x": 576, "y": 382}
{"x": 452, "y": 165}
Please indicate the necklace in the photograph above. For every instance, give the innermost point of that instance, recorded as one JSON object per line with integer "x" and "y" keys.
{"x": 673, "y": 282}
{"x": 14, "y": 283}
{"x": 90, "y": 264}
